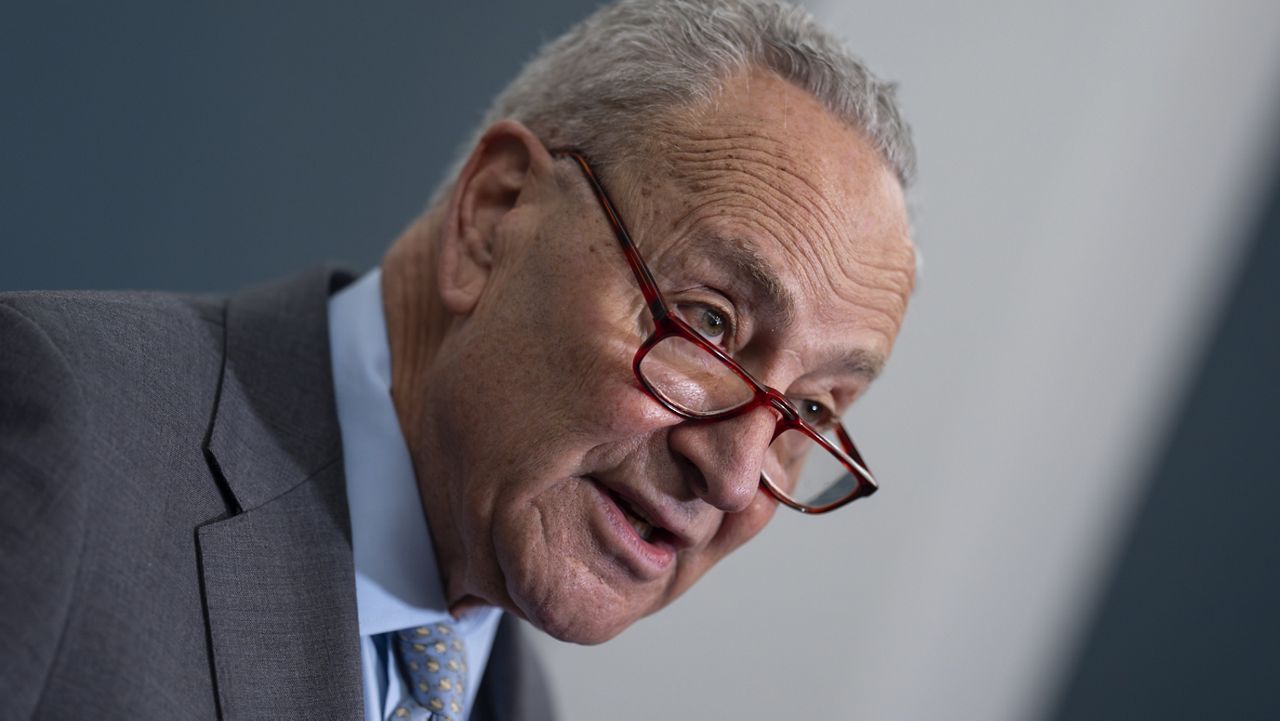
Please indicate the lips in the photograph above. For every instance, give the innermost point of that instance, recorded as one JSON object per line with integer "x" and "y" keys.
{"x": 643, "y": 527}
{"x": 647, "y": 546}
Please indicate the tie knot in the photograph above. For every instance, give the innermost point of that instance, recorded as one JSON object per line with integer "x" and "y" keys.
{"x": 434, "y": 663}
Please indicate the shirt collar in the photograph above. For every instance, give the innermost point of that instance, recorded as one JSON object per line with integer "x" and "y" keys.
{"x": 397, "y": 577}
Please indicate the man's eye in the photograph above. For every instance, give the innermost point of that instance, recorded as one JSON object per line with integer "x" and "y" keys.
{"x": 709, "y": 322}
{"x": 814, "y": 413}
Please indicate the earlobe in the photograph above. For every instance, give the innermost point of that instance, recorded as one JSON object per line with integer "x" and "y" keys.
{"x": 490, "y": 185}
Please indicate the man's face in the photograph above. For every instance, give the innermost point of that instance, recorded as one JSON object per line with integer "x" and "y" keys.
{"x": 581, "y": 501}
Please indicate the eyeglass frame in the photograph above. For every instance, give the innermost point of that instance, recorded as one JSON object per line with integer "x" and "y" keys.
{"x": 666, "y": 324}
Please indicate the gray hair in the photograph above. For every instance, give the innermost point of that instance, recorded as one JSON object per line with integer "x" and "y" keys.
{"x": 601, "y": 86}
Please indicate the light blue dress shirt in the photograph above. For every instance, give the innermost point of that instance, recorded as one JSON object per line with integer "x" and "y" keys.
{"x": 397, "y": 580}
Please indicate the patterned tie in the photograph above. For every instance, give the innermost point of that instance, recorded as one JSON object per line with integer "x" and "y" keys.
{"x": 432, "y": 662}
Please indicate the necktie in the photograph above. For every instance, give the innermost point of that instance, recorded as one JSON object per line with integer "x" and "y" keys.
{"x": 432, "y": 663}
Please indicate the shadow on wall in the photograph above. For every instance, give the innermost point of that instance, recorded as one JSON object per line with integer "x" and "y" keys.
{"x": 1189, "y": 627}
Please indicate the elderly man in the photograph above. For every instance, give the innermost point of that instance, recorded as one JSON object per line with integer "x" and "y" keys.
{"x": 674, "y": 254}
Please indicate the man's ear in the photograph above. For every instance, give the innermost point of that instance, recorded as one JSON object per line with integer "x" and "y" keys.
{"x": 499, "y": 170}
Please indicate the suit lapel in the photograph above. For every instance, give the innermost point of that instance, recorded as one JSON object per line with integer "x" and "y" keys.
{"x": 277, "y": 575}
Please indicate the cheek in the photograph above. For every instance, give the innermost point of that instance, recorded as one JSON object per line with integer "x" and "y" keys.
{"x": 738, "y": 528}
{"x": 735, "y": 530}
{"x": 598, "y": 387}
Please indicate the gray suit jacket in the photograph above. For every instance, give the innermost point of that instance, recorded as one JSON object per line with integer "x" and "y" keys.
{"x": 174, "y": 536}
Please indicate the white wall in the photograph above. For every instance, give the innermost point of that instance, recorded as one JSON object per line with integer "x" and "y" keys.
{"x": 1085, "y": 173}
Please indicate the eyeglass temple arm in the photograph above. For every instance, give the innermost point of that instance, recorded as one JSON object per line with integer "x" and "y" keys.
{"x": 648, "y": 286}
{"x": 866, "y": 483}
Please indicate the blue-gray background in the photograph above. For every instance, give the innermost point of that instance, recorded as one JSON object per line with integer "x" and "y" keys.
{"x": 207, "y": 146}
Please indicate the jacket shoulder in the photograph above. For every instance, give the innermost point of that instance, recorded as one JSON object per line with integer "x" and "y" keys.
{"x": 75, "y": 319}
{"x": 43, "y": 503}
{"x": 153, "y": 344}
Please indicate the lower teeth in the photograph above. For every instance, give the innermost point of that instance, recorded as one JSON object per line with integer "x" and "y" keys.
{"x": 643, "y": 528}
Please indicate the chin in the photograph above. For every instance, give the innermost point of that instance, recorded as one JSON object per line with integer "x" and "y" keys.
{"x": 556, "y": 576}
{"x": 576, "y": 607}
{"x": 587, "y": 621}
{"x": 585, "y": 632}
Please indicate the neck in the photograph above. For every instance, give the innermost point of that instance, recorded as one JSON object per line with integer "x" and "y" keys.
{"x": 416, "y": 326}
{"x": 415, "y": 321}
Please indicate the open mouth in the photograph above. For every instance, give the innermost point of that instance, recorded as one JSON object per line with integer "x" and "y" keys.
{"x": 644, "y": 528}
{"x": 646, "y": 548}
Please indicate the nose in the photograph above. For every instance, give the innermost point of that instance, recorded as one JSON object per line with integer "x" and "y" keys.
{"x": 727, "y": 456}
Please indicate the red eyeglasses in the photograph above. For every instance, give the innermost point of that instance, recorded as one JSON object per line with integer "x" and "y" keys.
{"x": 697, "y": 380}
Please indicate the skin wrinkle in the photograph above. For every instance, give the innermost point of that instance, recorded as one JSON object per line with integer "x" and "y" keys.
{"x": 890, "y": 310}
{"x": 739, "y": 149}
{"x": 795, "y": 202}
{"x": 721, "y": 203}
{"x": 895, "y": 278}
{"x": 801, "y": 204}
{"x": 857, "y": 362}
{"x": 744, "y": 215}
{"x": 506, "y": 444}
{"x": 734, "y": 145}
{"x": 894, "y": 286}
{"x": 701, "y": 171}
{"x": 776, "y": 303}
{"x": 741, "y": 254}
{"x": 887, "y": 309}
{"x": 888, "y": 302}
{"x": 745, "y": 222}
{"x": 749, "y": 263}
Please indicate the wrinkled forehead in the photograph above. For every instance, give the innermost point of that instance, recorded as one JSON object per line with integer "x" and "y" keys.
{"x": 781, "y": 197}
{"x": 766, "y": 182}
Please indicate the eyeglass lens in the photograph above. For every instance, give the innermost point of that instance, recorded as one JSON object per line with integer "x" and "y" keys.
{"x": 686, "y": 376}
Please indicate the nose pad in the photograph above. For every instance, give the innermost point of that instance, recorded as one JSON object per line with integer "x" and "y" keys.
{"x": 727, "y": 456}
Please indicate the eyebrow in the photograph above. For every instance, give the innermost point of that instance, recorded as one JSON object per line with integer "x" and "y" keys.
{"x": 860, "y": 361}
{"x": 748, "y": 264}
